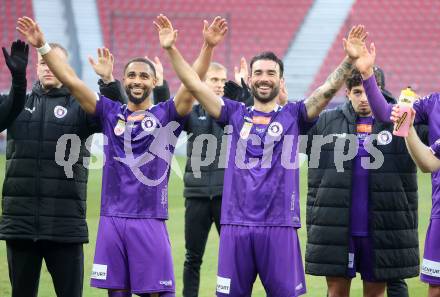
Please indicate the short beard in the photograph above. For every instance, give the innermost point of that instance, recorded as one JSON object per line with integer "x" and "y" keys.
{"x": 364, "y": 113}
{"x": 135, "y": 100}
{"x": 271, "y": 97}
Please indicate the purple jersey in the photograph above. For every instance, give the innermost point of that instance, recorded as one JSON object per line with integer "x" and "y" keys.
{"x": 261, "y": 184}
{"x": 435, "y": 148}
{"x": 359, "y": 191}
{"x": 138, "y": 155}
{"x": 427, "y": 113}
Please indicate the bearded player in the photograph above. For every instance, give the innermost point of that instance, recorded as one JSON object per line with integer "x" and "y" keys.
{"x": 133, "y": 253}
{"x": 260, "y": 208}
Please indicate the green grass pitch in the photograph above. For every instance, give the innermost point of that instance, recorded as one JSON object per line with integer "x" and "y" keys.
{"x": 316, "y": 285}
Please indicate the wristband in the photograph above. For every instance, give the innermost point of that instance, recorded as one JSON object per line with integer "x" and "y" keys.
{"x": 44, "y": 49}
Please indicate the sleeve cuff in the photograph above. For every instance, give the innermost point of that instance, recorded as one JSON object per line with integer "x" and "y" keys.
{"x": 369, "y": 81}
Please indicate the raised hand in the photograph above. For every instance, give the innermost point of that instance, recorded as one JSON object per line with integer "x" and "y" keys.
{"x": 104, "y": 66}
{"x": 18, "y": 59}
{"x": 356, "y": 49}
{"x": 159, "y": 69}
{"x": 31, "y": 31}
{"x": 284, "y": 95}
{"x": 355, "y": 42}
{"x": 167, "y": 34}
{"x": 214, "y": 33}
{"x": 242, "y": 73}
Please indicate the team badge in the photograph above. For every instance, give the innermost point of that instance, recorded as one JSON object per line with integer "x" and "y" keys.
{"x": 119, "y": 128}
{"x": 148, "y": 124}
{"x": 59, "y": 111}
{"x": 245, "y": 130}
{"x": 384, "y": 137}
{"x": 275, "y": 129}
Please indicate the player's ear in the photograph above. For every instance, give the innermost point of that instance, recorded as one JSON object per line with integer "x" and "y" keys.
{"x": 347, "y": 93}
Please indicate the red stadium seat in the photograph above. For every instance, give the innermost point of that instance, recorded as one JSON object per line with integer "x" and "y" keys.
{"x": 406, "y": 39}
{"x": 11, "y": 11}
{"x": 252, "y": 28}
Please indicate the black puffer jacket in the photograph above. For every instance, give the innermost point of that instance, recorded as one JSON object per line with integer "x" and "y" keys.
{"x": 39, "y": 201}
{"x": 393, "y": 202}
{"x": 206, "y": 181}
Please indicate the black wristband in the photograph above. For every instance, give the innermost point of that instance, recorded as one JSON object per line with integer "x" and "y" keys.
{"x": 101, "y": 83}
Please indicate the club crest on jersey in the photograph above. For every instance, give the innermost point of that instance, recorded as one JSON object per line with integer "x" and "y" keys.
{"x": 119, "y": 128}
{"x": 59, "y": 111}
{"x": 245, "y": 130}
{"x": 275, "y": 129}
{"x": 148, "y": 124}
{"x": 384, "y": 137}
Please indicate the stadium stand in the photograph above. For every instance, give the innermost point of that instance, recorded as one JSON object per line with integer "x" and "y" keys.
{"x": 128, "y": 31}
{"x": 406, "y": 38}
{"x": 11, "y": 10}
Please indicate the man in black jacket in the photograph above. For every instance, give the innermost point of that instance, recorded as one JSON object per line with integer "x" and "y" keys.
{"x": 203, "y": 184}
{"x": 44, "y": 209}
{"x": 362, "y": 218}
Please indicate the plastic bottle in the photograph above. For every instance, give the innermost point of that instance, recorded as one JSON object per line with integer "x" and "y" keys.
{"x": 406, "y": 99}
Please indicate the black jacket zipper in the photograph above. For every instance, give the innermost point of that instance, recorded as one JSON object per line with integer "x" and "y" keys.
{"x": 40, "y": 145}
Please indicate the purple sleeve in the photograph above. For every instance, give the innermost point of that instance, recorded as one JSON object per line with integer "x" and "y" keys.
{"x": 435, "y": 148}
{"x": 104, "y": 104}
{"x": 172, "y": 113}
{"x": 423, "y": 107}
{"x": 379, "y": 106}
{"x": 228, "y": 108}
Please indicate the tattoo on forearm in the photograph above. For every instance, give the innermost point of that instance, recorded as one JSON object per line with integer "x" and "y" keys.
{"x": 337, "y": 77}
{"x": 325, "y": 93}
{"x": 330, "y": 93}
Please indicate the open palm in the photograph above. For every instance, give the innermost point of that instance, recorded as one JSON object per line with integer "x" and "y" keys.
{"x": 159, "y": 69}
{"x": 104, "y": 66}
{"x": 214, "y": 33}
{"x": 242, "y": 72}
{"x": 355, "y": 42}
{"x": 366, "y": 60}
{"x": 167, "y": 35}
{"x": 31, "y": 31}
{"x": 356, "y": 49}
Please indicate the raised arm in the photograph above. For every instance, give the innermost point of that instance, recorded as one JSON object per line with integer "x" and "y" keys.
{"x": 212, "y": 34}
{"x": 103, "y": 67}
{"x": 12, "y": 104}
{"x": 161, "y": 91}
{"x": 192, "y": 82}
{"x": 380, "y": 107}
{"x": 61, "y": 69}
{"x": 320, "y": 98}
{"x": 422, "y": 155}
